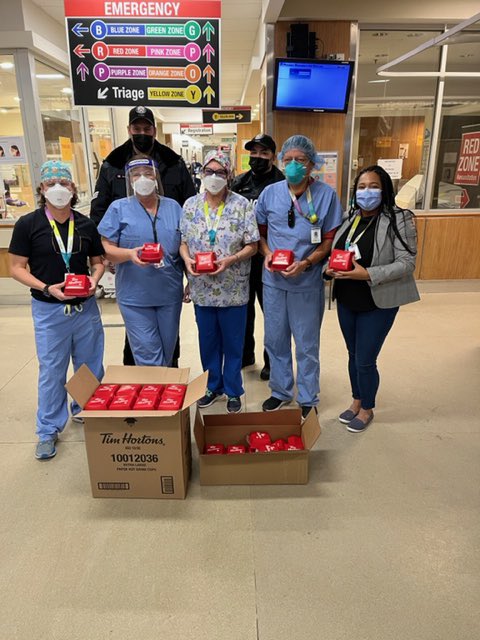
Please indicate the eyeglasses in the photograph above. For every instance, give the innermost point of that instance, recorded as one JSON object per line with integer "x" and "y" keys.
{"x": 291, "y": 217}
{"x": 300, "y": 159}
{"x": 220, "y": 173}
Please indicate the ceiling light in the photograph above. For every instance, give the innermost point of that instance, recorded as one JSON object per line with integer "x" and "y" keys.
{"x": 16, "y": 99}
{"x": 377, "y": 81}
{"x": 3, "y": 110}
{"x": 49, "y": 76}
{"x": 6, "y": 65}
{"x": 414, "y": 34}
{"x": 380, "y": 34}
{"x": 66, "y": 90}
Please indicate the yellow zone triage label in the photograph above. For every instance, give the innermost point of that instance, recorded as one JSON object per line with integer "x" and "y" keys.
{"x": 191, "y": 94}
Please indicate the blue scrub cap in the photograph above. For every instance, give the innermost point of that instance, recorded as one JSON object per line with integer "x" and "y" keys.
{"x": 55, "y": 169}
{"x": 302, "y": 143}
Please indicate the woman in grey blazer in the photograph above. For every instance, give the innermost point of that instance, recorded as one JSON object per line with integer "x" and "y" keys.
{"x": 383, "y": 241}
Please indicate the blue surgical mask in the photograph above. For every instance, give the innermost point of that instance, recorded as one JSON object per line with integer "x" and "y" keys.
{"x": 295, "y": 172}
{"x": 368, "y": 199}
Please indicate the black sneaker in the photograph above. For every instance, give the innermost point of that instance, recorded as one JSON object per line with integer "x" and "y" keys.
{"x": 209, "y": 398}
{"x": 306, "y": 410}
{"x": 265, "y": 373}
{"x": 272, "y": 404}
{"x": 234, "y": 405}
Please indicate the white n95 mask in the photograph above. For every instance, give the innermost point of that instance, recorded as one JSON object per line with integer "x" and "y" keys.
{"x": 58, "y": 196}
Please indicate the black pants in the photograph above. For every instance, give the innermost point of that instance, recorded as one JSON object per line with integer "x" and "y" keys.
{"x": 128, "y": 360}
{"x": 256, "y": 290}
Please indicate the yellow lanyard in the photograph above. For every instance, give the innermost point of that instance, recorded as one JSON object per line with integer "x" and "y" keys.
{"x": 65, "y": 253}
{"x": 212, "y": 226}
{"x": 355, "y": 224}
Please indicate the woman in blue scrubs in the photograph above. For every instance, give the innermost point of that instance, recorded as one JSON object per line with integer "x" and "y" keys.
{"x": 300, "y": 215}
{"x": 46, "y": 244}
{"x": 149, "y": 296}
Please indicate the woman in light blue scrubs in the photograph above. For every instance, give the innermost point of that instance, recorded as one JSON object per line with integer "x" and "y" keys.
{"x": 149, "y": 296}
{"x": 300, "y": 215}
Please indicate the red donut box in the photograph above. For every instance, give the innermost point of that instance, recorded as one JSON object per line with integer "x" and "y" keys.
{"x": 151, "y": 252}
{"x": 98, "y": 403}
{"x": 105, "y": 391}
{"x": 120, "y": 403}
{"x": 236, "y": 448}
{"x": 77, "y": 286}
{"x": 145, "y": 403}
{"x": 214, "y": 449}
{"x": 341, "y": 260}
{"x": 205, "y": 262}
{"x": 128, "y": 389}
{"x": 281, "y": 259}
{"x": 170, "y": 403}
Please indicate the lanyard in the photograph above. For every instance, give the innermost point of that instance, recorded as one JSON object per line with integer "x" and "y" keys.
{"x": 355, "y": 224}
{"x": 312, "y": 216}
{"x": 212, "y": 226}
{"x": 65, "y": 253}
{"x": 153, "y": 221}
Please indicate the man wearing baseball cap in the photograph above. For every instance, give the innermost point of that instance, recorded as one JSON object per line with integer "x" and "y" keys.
{"x": 262, "y": 172}
{"x": 175, "y": 177}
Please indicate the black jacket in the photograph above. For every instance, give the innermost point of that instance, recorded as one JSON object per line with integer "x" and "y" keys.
{"x": 176, "y": 179}
{"x": 250, "y": 186}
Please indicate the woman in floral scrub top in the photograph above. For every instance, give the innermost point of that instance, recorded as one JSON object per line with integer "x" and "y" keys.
{"x": 221, "y": 221}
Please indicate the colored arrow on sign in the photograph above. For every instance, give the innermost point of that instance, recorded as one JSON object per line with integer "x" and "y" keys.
{"x": 208, "y": 52}
{"x": 464, "y": 198}
{"x": 208, "y": 29}
{"x": 79, "y": 30}
{"x": 102, "y": 93}
{"x": 209, "y": 93}
{"x": 83, "y": 70}
{"x": 209, "y": 72}
{"x": 79, "y": 51}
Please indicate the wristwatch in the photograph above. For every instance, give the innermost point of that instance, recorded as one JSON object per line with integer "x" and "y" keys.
{"x": 46, "y": 292}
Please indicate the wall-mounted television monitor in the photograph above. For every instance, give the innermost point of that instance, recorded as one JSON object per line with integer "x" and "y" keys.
{"x": 312, "y": 85}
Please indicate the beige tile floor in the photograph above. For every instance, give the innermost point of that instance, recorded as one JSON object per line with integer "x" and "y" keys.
{"x": 383, "y": 543}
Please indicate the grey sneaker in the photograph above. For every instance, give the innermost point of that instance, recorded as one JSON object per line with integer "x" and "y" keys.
{"x": 209, "y": 398}
{"x": 234, "y": 405}
{"x": 45, "y": 449}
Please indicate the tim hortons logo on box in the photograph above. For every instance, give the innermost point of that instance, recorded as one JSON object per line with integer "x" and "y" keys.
{"x": 129, "y": 438}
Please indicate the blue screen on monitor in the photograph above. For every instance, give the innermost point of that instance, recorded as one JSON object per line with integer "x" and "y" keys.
{"x": 312, "y": 85}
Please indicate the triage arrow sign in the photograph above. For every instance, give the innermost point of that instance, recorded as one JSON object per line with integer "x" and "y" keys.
{"x": 209, "y": 72}
{"x": 208, "y": 29}
{"x": 209, "y": 93}
{"x": 83, "y": 70}
{"x": 208, "y": 52}
{"x": 102, "y": 93}
{"x": 79, "y": 30}
{"x": 79, "y": 51}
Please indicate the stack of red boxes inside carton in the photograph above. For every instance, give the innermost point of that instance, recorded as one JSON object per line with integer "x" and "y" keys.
{"x": 146, "y": 397}
{"x": 281, "y": 259}
{"x": 151, "y": 252}
{"x": 77, "y": 286}
{"x": 257, "y": 442}
{"x": 205, "y": 262}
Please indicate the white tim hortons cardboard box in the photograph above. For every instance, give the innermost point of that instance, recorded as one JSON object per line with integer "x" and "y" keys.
{"x": 138, "y": 454}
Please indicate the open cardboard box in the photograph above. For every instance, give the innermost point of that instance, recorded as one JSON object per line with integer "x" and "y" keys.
{"x": 282, "y": 467}
{"x": 138, "y": 454}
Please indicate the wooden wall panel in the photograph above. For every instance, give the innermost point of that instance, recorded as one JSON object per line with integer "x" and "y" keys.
{"x": 327, "y": 130}
{"x": 420, "y": 224}
{"x": 245, "y": 132}
{"x": 4, "y": 271}
{"x": 450, "y": 247}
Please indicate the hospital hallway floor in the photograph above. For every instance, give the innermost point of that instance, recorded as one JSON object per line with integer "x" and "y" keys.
{"x": 383, "y": 543}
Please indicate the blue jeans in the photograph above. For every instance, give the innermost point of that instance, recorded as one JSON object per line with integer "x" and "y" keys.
{"x": 364, "y": 333}
{"x": 221, "y": 334}
{"x": 60, "y": 338}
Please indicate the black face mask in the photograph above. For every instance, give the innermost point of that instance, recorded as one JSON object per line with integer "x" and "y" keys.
{"x": 259, "y": 165}
{"x": 142, "y": 142}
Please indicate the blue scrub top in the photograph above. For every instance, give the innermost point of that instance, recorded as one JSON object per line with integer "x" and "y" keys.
{"x": 128, "y": 225}
{"x": 272, "y": 210}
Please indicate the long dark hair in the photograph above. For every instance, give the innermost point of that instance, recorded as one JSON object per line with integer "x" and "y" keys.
{"x": 388, "y": 207}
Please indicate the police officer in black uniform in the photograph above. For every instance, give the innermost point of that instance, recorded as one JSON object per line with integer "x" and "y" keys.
{"x": 176, "y": 180}
{"x": 263, "y": 172}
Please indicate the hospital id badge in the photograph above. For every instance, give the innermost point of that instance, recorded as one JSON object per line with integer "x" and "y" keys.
{"x": 315, "y": 235}
{"x": 356, "y": 251}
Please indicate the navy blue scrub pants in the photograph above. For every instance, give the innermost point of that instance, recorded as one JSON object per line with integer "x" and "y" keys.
{"x": 221, "y": 333}
{"x": 364, "y": 333}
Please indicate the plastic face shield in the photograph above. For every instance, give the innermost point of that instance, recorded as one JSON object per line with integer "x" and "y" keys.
{"x": 142, "y": 178}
